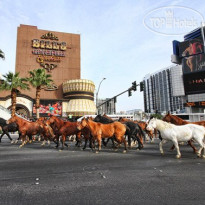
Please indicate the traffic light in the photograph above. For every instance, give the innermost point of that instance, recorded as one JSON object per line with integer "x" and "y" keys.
{"x": 134, "y": 86}
{"x": 141, "y": 86}
{"x": 129, "y": 93}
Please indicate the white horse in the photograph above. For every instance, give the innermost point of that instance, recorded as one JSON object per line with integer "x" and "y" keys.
{"x": 175, "y": 133}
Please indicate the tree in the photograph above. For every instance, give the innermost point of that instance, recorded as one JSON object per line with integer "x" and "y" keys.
{"x": 38, "y": 79}
{"x": 13, "y": 82}
{"x": 2, "y": 54}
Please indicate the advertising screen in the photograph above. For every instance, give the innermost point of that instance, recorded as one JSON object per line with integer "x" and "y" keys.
{"x": 48, "y": 108}
{"x": 193, "y": 63}
{"x": 191, "y": 47}
{"x": 194, "y": 82}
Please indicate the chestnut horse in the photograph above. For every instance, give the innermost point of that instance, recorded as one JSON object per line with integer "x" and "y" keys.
{"x": 26, "y": 128}
{"x": 99, "y": 131}
{"x": 67, "y": 128}
{"x": 178, "y": 121}
{"x": 47, "y": 132}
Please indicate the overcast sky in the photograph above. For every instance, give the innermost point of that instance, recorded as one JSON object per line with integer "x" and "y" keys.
{"x": 120, "y": 40}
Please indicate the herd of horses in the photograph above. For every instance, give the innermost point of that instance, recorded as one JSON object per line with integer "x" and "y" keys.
{"x": 102, "y": 127}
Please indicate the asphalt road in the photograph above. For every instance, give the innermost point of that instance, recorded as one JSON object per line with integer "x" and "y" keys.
{"x": 44, "y": 175}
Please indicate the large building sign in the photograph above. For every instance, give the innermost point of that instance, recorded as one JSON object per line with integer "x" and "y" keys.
{"x": 194, "y": 74}
{"x": 191, "y": 47}
{"x": 194, "y": 63}
{"x": 194, "y": 82}
{"x": 49, "y": 51}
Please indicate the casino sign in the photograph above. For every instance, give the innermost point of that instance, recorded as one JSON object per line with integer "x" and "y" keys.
{"x": 49, "y": 51}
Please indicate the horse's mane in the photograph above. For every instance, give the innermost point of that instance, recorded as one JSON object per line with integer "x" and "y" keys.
{"x": 102, "y": 119}
{"x": 178, "y": 118}
{"x": 165, "y": 124}
{"x": 104, "y": 115}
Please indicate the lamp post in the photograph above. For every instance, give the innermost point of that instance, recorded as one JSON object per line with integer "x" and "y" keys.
{"x": 98, "y": 92}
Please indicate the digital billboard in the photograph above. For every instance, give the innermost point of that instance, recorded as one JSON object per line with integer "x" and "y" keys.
{"x": 194, "y": 82}
{"x": 191, "y": 47}
{"x": 193, "y": 63}
{"x": 194, "y": 74}
{"x": 48, "y": 108}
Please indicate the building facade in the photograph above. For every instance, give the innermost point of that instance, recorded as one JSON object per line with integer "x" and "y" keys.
{"x": 107, "y": 108}
{"x": 163, "y": 92}
{"x": 59, "y": 54}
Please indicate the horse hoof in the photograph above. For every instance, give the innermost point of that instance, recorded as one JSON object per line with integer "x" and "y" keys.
{"x": 20, "y": 146}
{"x": 178, "y": 156}
{"x": 124, "y": 151}
{"x": 162, "y": 153}
{"x": 96, "y": 152}
{"x": 12, "y": 141}
{"x": 60, "y": 150}
{"x": 203, "y": 156}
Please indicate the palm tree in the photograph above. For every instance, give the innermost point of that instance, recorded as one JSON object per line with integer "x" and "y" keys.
{"x": 13, "y": 82}
{"x": 2, "y": 54}
{"x": 38, "y": 79}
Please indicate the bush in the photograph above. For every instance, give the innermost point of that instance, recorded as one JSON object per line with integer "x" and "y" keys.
{"x": 158, "y": 116}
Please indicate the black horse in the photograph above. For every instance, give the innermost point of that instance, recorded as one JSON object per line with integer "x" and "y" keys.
{"x": 6, "y": 128}
{"x": 135, "y": 132}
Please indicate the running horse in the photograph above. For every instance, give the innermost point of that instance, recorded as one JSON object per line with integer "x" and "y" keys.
{"x": 6, "y": 128}
{"x": 133, "y": 130}
{"x": 176, "y": 133}
{"x": 67, "y": 128}
{"x": 26, "y": 128}
{"x": 178, "y": 121}
{"x": 47, "y": 132}
{"x": 99, "y": 131}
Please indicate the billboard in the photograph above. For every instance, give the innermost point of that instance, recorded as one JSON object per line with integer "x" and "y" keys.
{"x": 194, "y": 82}
{"x": 48, "y": 108}
{"x": 194, "y": 74}
{"x": 193, "y": 63}
{"x": 191, "y": 47}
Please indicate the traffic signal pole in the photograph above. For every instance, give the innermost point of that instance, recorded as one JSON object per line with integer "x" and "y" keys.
{"x": 134, "y": 88}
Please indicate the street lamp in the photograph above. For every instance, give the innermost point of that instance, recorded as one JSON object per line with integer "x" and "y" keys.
{"x": 98, "y": 92}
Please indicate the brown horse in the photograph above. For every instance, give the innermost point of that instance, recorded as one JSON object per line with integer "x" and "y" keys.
{"x": 66, "y": 128}
{"x": 47, "y": 133}
{"x": 26, "y": 128}
{"x": 178, "y": 121}
{"x": 99, "y": 131}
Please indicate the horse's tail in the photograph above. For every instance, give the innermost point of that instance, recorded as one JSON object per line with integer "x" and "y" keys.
{"x": 50, "y": 130}
{"x": 142, "y": 132}
{"x": 127, "y": 129}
